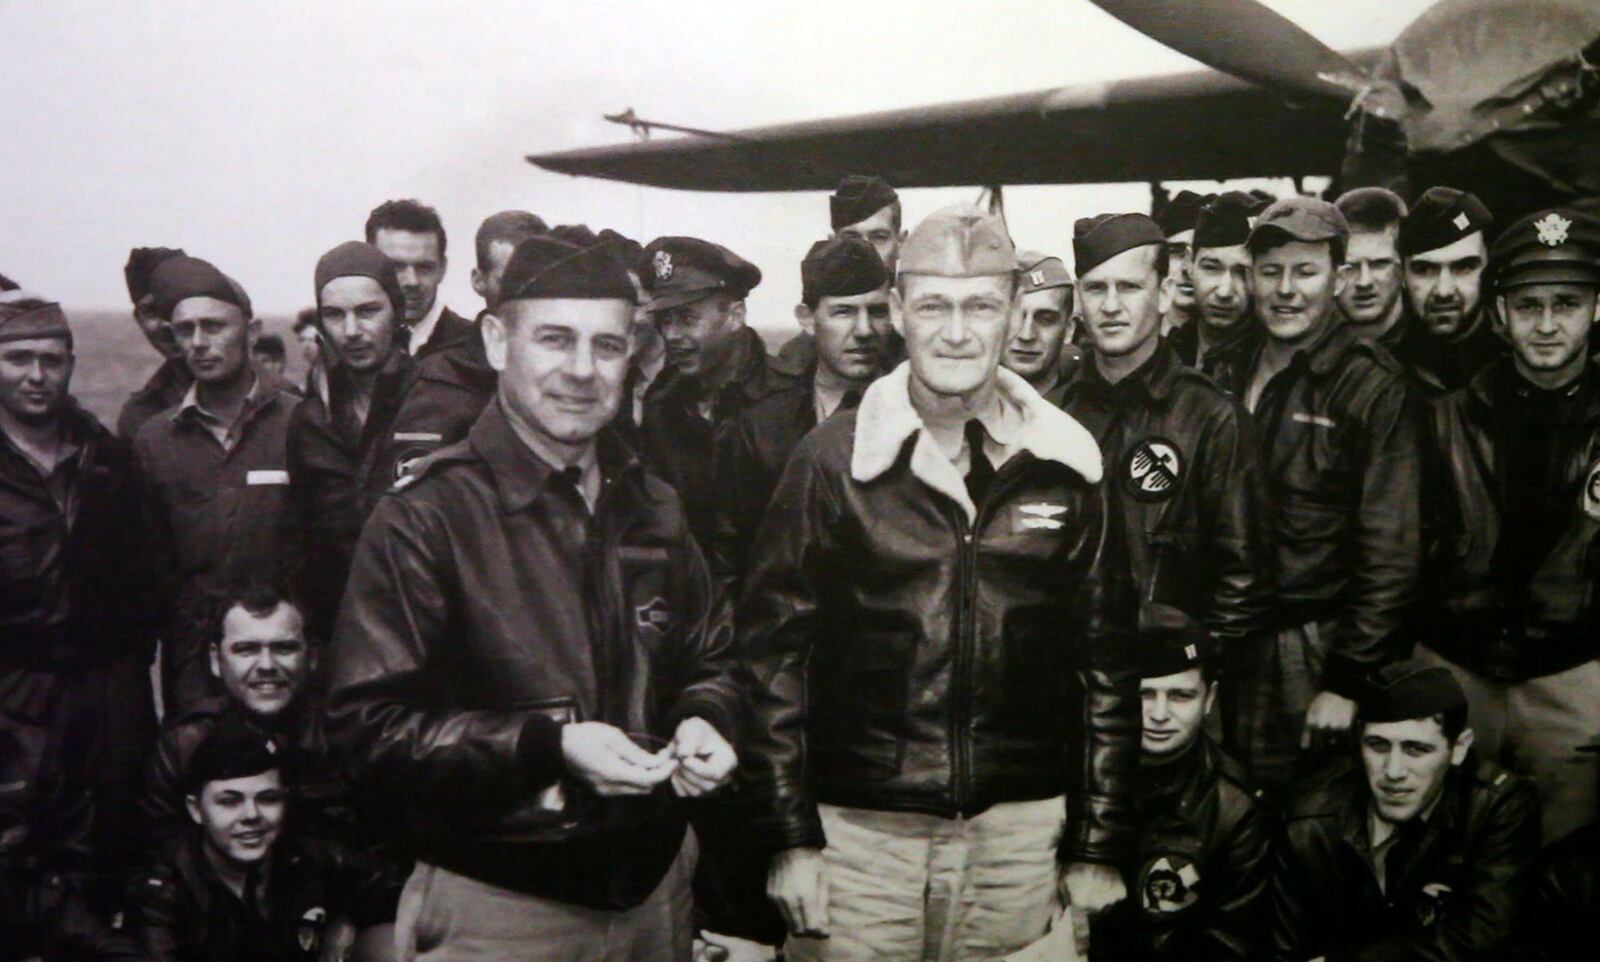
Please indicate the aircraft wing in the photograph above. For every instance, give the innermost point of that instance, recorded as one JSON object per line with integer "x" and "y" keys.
{"x": 1192, "y": 126}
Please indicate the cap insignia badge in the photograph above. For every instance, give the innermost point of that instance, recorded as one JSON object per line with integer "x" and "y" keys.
{"x": 1036, "y": 278}
{"x": 1553, "y": 229}
{"x": 663, "y": 265}
{"x": 1462, "y": 221}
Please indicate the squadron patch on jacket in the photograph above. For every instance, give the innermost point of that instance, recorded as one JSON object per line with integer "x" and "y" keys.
{"x": 1434, "y": 895}
{"x": 1591, "y": 492}
{"x": 309, "y": 932}
{"x": 655, "y": 613}
{"x": 1040, "y": 516}
{"x": 1153, "y": 469}
{"x": 1166, "y": 884}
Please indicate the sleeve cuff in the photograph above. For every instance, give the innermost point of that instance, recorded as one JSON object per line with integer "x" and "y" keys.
{"x": 539, "y": 750}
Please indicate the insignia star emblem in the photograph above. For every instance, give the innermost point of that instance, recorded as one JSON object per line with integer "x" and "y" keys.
{"x": 1462, "y": 221}
{"x": 1553, "y": 229}
{"x": 663, "y": 265}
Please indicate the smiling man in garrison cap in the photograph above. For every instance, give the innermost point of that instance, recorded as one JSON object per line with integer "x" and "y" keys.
{"x": 530, "y": 650}
{"x": 217, "y": 462}
{"x": 1509, "y": 603}
{"x": 937, "y": 620}
{"x": 169, "y": 382}
{"x": 1341, "y": 435}
{"x": 1418, "y": 850}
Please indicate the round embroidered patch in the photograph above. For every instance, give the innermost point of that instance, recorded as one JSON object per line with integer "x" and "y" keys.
{"x": 1167, "y": 883}
{"x": 1591, "y": 492}
{"x": 1153, "y": 469}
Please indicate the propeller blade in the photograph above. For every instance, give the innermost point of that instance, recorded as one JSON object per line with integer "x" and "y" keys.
{"x": 1245, "y": 39}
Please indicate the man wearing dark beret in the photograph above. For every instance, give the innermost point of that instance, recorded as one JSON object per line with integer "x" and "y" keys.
{"x": 720, "y": 367}
{"x": 1181, "y": 460}
{"x": 1177, "y": 218}
{"x": 1509, "y": 602}
{"x": 1448, "y": 335}
{"x": 1225, "y": 334}
{"x": 1419, "y": 851}
{"x": 1341, "y": 439}
{"x": 1199, "y": 882}
{"x": 248, "y": 881}
{"x": 1041, "y": 351}
{"x": 1372, "y": 300}
{"x": 78, "y": 599}
{"x": 531, "y": 660}
{"x": 336, "y": 433}
{"x": 936, "y": 621}
{"x": 217, "y": 463}
{"x": 169, "y": 382}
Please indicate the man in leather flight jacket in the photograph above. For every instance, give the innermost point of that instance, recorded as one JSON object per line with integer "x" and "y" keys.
{"x": 936, "y": 618}
{"x": 527, "y": 610}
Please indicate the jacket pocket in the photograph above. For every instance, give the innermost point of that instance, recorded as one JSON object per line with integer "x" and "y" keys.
{"x": 860, "y": 690}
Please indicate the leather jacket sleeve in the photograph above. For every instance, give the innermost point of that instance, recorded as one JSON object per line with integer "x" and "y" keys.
{"x": 733, "y": 518}
{"x": 706, "y": 677}
{"x": 1103, "y": 760}
{"x": 156, "y": 910}
{"x": 382, "y": 720}
{"x": 1238, "y": 539}
{"x": 1388, "y": 535}
{"x": 1237, "y": 895}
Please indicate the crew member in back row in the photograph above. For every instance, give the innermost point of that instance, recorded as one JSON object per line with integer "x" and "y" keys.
{"x": 1041, "y": 352}
{"x": 1512, "y": 576}
{"x": 697, "y": 293}
{"x": 1448, "y": 336}
{"x": 1225, "y": 334}
{"x": 167, "y": 384}
{"x": 1177, "y": 219}
{"x": 335, "y": 433}
{"x": 1181, "y": 459}
{"x": 1373, "y": 300}
{"x": 410, "y": 233}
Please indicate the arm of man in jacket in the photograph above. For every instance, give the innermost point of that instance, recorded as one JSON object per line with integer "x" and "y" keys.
{"x": 1235, "y": 899}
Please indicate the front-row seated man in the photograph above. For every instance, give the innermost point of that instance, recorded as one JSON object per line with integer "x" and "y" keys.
{"x": 245, "y": 882}
{"x": 1419, "y": 852}
{"x": 937, "y": 624}
{"x": 1198, "y": 888}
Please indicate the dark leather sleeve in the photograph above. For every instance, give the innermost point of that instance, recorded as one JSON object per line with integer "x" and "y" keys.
{"x": 1236, "y": 894}
{"x": 1388, "y": 541}
{"x": 706, "y": 671}
{"x": 733, "y": 518}
{"x": 383, "y": 724}
{"x": 1103, "y": 752}
{"x": 1291, "y": 887}
{"x": 156, "y": 912}
{"x": 1562, "y": 899}
{"x": 777, "y": 616}
{"x": 1238, "y": 535}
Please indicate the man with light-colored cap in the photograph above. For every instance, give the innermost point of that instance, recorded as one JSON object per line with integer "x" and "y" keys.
{"x": 1509, "y": 600}
{"x": 936, "y": 621}
{"x": 1341, "y": 441}
{"x": 218, "y": 468}
{"x": 1042, "y": 352}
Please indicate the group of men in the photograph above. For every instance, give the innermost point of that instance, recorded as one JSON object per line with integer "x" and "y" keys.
{"x": 1236, "y": 592}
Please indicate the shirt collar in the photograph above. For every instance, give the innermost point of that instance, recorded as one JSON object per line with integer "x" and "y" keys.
{"x": 423, "y": 329}
{"x": 520, "y": 473}
{"x": 1021, "y": 420}
{"x": 253, "y": 398}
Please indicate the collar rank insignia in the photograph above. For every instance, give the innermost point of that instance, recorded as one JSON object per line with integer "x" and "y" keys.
{"x": 663, "y": 265}
{"x": 1552, "y": 229}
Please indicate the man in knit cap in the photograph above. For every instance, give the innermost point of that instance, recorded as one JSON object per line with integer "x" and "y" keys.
{"x": 166, "y": 386}
{"x": 936, "y": 620}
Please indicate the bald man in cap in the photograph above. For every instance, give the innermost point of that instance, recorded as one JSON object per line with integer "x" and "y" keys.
{"x": 169, "y": 381}
{"x": 1448, "y": 336}
{"x": 1181, "y": 457}
{"x": 719, "y": 366}
{"x": 1041, "y": 352}
{"x": 1508, "y": 604}
{"x": 1418, "y": 849}
{"x": 936, "y": 620}
{"x": 1226, "y": 333}
{"x": 218, "y": 468}
{"x": 1341, "y": 435}
{"x": 336, "y": 434}
{"x": 78, "y": 601}
{"x": 1177, "y": 219}
{"x": 531, "y": 662}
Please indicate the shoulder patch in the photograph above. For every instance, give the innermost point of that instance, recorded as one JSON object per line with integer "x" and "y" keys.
{"x": 1590, "y": 496}
{"x": 409, "y": 472}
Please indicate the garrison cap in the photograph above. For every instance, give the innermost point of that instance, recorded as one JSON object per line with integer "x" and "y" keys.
{"x": 142, "y": 262}
{"x": 1041, "y": 272}
{"x": 1409, "y": 689}
{"x": 858, "y": 197}
{"x": 1180, "y": 213}
{"x": 841, "y": 267}
{"x": 1556, "y": 246}
{"x": 1307, "y": 219}
{"x": 630, "y": 250}
{"x": 682, "y": 270}
{"x": 25, "y": 316}
{"x": 568, "y": 262}
{"x": 1225, "y": 220}
{"x": 1097, "y": 239}
{"x": 959, "y": 241}
{"x": 1440, "y": 217}
{"x": 1170, "y": 641}
{"x": 232, "y": 749}
{"x": 355, "y": 259}
{"x": 179, "y": 278}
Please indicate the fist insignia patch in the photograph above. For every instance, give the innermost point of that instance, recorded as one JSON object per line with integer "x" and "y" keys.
{"x": 1152, "y": 470}
{"x": 1167, "y": 884}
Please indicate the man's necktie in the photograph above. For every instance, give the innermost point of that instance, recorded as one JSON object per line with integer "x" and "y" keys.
{"x": 980, "y": 472}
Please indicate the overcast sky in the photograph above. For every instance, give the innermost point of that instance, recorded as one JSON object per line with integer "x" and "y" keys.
{"x": 259, "y": 134}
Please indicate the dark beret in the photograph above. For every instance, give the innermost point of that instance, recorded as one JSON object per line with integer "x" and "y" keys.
{"x": 1440, "y": 217}
{"x": 232, "y": 749}
{"x": 1297, "y": 218}
{"x": 1097, "y": 239}
{"x": 682, "y": 270}
{"x": 355, "y": 259}
{"x": 1179, "y": 213}
{"x": 546, "y": 266}
{"x": 179, "y": 278}
{"x": 1225, "y": 220}
{"x": 1557, "y": 246}
{"x": 1170, "y": 641}
{"x": 25, "y": 317}
{"x": 142, "y": 262}
{"x": 1409, "y": 689}
{"x": 841, "y": 267}
{"x": 858, "y": 197}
